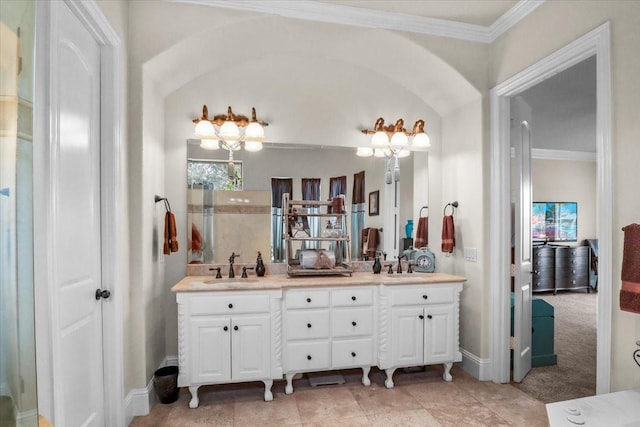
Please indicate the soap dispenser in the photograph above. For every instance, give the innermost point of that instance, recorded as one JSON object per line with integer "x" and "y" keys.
{"x": 376, "y": 265}
{"x": 259, "y": 266}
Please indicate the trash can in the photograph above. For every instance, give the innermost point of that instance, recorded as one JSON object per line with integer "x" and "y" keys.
{"x": 165, "y": 382}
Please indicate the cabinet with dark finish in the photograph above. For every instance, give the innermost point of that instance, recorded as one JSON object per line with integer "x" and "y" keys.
{"x": 558, "y": 268}
{"x": 544, "y": 262}
{"x": 572, "y": 268}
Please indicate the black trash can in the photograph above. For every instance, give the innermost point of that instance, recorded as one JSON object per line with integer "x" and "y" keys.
{"x": 165, "y": 382}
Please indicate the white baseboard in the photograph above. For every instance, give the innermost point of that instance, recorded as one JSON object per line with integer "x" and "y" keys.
{"x": 139, "y": 401}
{"x": 479, "y": 368}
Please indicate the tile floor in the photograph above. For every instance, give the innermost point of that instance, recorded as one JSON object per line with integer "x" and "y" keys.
{"x": 419, "y": 398}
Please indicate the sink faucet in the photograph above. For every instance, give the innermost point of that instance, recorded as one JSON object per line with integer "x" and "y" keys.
{"x": 231, "y": 260}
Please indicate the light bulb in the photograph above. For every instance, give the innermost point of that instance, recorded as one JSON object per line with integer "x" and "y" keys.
{"x": 421, "y": 140}
{"x": 253, "y": 146}
{"x": 364, "y": 151}
{"x": 378, "y": 152}
{"x": 379, "y": 140}
{"x": 204, "y": 130}
{"x": 254, "y": 132}
{"x": 229, "y": 131}
{"x": 399, "y": 139}
{"x": 209, "y": 144}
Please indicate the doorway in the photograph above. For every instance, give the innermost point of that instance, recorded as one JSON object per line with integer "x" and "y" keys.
{"x": 562, "y": 177}
{"x": 595, "y": 43}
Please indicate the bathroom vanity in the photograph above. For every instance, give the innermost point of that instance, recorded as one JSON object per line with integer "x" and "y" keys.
{"x": 274, "y": 327}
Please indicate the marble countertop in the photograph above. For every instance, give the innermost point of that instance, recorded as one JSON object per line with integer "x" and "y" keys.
{"x": 283, "y": 281}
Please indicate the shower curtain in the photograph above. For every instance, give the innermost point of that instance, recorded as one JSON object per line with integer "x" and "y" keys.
{"x": 357, "y": 214}
{"x": 279, "y": 186}
{"x": 338, "y": 186}
{"x": 311, "y": 191}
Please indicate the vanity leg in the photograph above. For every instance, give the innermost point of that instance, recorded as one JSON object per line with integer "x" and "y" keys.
{"x": 388, "y": 383}
{"x": 268, "y": 396}
{"x": 288, "y": 389}
{"x": 365, "y": 376}
{"x": 194, "y": 402}
{"x": 447, "y": 372}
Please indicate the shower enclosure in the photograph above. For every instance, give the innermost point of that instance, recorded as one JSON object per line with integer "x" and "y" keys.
{"x": 18, "y": 398}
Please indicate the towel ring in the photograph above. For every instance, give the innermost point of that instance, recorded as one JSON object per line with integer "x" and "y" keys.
{"x": 424, "y": 207}
{"x": 167, "y": 205}
{"x": 453, "y": 205}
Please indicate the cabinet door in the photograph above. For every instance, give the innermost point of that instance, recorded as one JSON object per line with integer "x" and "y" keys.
{"x": 250, "y": 348}
{"x": 210, "y": 349}
{"x": 439, "y": 337}
{"x": 407, "y": 336}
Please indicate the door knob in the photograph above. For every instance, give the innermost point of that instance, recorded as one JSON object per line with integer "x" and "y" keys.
{"x": 420, "y": 316}
{"x": 102, "y": 293}
{"x": 429, "y": 316}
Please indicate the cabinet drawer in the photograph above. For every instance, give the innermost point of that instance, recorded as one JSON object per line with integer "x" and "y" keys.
{"x": 421, "y": 295}
{"x": 352, "y": 297}
{"x": 572, "y": 281}
{"x": 546, "y": 262}
{"x": 228, "y": 304}
{"x": 307, "y": 324}
{"x": 307, "y": 298}
{"x": 543, "y": 285}
{"x": 352, "y": 322}
{"x": 308, "y": 356}
{"x": 352, "y": 353}
{"x": 578, "y": 251}
{"x": 572, "y": 270}
{"x": 543, "y": 274}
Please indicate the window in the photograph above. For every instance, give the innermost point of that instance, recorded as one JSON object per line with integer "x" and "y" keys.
{"x": 213, "y": 175}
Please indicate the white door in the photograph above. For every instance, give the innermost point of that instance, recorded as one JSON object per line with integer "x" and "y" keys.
{"x": 407, "y": 330}
{"x": 438, "y": 334}
{"x": 76, "y": 247}
{"x": 521, "y": 142}
{"x": 250, "y": 348}
{"x": 210, "y": 350}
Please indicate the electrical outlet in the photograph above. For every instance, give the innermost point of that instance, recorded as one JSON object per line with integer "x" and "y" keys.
{"x": 471, "y": 254}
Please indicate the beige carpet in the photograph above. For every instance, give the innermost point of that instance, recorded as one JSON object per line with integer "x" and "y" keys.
{"x": 575, "y": 344}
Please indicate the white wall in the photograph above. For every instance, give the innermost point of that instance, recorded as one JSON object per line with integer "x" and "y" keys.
{"x": 462, "y": 181}
{"x": 568, "y": 181}
{"x": 547, "y": 29}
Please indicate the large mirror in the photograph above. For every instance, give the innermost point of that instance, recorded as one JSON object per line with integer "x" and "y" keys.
{"x": 236, "y": 215}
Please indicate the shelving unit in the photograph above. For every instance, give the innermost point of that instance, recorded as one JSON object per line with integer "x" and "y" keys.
{"x": 295, "y": 228}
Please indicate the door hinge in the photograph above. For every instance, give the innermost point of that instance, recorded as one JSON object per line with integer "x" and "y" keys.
{"x": 512, "y": 343}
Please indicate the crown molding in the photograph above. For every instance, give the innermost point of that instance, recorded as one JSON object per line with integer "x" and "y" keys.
{"x": 512, "y": 17}
{"x": 347, "y": 15}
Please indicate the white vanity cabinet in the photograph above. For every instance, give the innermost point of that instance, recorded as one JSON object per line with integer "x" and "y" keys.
{"x": 419, "y": 325}
{"x": 328, "y": 328}
{"x": 226, "y": 337}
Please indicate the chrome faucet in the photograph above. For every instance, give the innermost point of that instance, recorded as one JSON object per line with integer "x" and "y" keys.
{"x": 231, "y": 260}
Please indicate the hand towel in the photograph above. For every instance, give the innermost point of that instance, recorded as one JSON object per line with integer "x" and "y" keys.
{"x": 170, "y": 234}
{"x": 196, "y": 239}
{"x": 630, "y": 291}
{"x": 422, "y": 233}
{"x": 369, "y": 241}
{"x": 448, "y": 234}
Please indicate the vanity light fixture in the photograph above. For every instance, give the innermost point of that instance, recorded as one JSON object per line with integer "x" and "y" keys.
{"x": 229, "y": 131}
{"x": 393, "y": 140}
